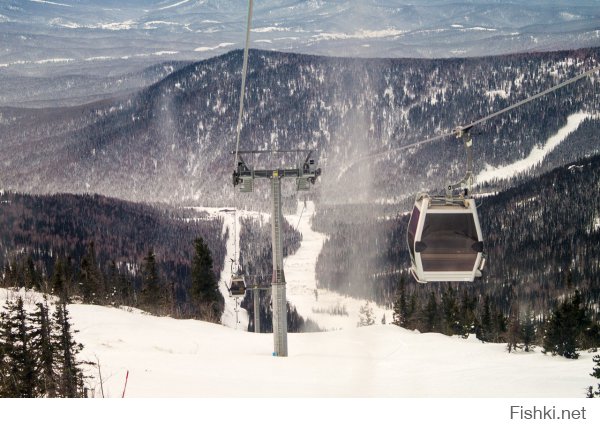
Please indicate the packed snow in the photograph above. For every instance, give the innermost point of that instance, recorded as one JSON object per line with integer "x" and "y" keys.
{"x": 166, "y": 357}
{"x": 233, "y": 315}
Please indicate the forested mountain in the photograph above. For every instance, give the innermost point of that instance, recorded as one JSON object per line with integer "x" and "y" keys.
{"x": 542, "y": 239}
{"x": 65, "y": 239}
{"x": 172, "y": 141}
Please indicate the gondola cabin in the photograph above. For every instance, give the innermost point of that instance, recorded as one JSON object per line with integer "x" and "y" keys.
{"x": 445, "y": 240}
{"x": 238, "y": 286}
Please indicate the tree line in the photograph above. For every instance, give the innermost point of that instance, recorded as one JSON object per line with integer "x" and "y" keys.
{"x": 99, "y": 250}
{"x": 567, "y": 327}
{"x": 147, "y": 288}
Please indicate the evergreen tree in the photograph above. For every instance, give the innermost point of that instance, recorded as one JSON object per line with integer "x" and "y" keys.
{"x": 205, "y": 294}
{"x": 19, "y": 370}
{"x": 58, "y": 280}
{"x": 366, "y": 316}
{"x": 111, "y": 283}
{"x": 32, "y": 277}
{"x": 565, "y": 329}
{"x": 42, "y": 347}
{"x": 37, "y": 353}
{"x": 528, "y": 331}
{"x": 400, "y": 305}
{"x": 500, "y": 326}
{"x": 486, "y": 321}
{"x": 513, "y": 337}
{"x": 8, "y": 382}
{"x": 8, "y": 276}
{"x": 450, "y": 312}
{"x": 432, "y": 315}
{"x": 90, "y": 278}
{"x": 153, "y": 294}
{"x": 70, "y": 380}
{"x": 467, "y": 314}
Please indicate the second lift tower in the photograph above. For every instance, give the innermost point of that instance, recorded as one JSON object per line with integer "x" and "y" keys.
{"x": 305, "y": 174}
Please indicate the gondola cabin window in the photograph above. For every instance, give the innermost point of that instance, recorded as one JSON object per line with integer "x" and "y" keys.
{"x": 447, "y": 242}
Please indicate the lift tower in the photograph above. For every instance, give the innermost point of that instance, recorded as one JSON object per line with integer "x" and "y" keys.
{"x": 305, "y": 174}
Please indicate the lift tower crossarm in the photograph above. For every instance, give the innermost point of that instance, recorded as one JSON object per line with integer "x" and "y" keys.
{"x": 305, "y": 171}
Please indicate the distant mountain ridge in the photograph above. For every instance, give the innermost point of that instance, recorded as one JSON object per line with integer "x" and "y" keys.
{"x": 44, "y": 37}
{"x": 172, "y": 141}
{"x": 77, "y": 89}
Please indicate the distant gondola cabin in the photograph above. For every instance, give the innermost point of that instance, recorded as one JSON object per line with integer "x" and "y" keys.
{"x": 238, "y": 286}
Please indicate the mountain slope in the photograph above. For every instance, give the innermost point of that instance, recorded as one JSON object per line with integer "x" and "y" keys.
{"x": 172, "y": 141}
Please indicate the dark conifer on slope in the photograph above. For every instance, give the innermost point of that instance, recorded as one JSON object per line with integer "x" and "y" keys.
{"x": 18, "y": 365}
{"x": 58, "y": 284}
{"x": 400, "y": 316}
{"x": 431, "y": 314}
{"x": 70, "y": 380}
{"x": 40, "y": 230}
{"x": 41, "y": 344}
{"x": 566, "y": 328}
{"x": 38, "y": 353}
{"x": 23, "y": 360}
{"x": 528, "y": 331}
{"x": 90, "y": 278}
{"x": 153, "y": 293}
{"x": 205, "y": 294}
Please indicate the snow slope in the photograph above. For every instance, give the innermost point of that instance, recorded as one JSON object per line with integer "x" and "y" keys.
{"x": 536, "y": 156}
{"x": 186, "y": 358}
{"x": 299, "y": 271}
{"x": 179, "y": 358}
{"x": 233, "y": 316}
{"x": 301, "y": 282}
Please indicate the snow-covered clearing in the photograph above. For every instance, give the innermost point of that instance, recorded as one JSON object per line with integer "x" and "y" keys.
{"x": 537, "y": 154}
{"x": 233, "y": 315}
{"x": 212, "y": 48}
{"x": 322, "y": 306}
{"x": 301, "y": 281}
{"x": 186, "y": 358}
{"x": 174, "y": 5}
